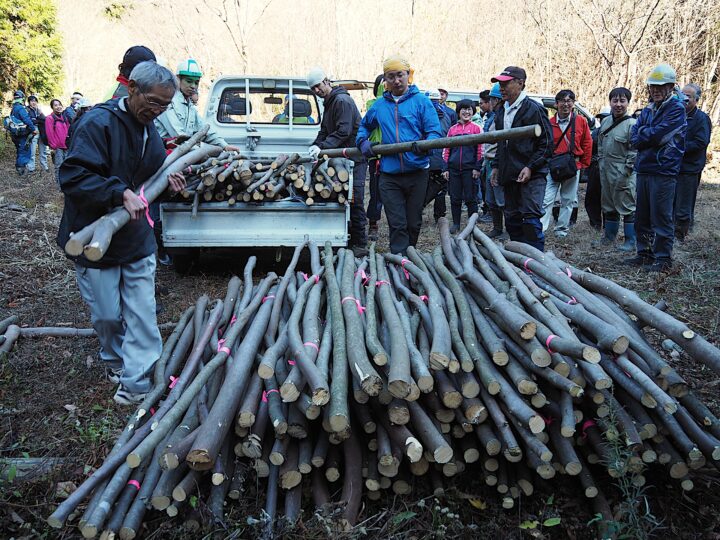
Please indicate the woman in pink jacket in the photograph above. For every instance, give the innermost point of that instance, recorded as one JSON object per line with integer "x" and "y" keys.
{"x": 56, "y": 128}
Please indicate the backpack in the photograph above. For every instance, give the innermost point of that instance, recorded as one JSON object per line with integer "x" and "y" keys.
{"x": 14, "y": 126}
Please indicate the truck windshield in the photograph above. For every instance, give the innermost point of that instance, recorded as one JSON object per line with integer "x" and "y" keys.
{"x": 267, "y": 107}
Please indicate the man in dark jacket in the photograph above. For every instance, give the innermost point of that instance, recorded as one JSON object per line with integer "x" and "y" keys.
{"x": 659, "y": 137}
{"x": 697, "y": 140}
{"x": 403, "y": 114}
{"x": 115, "y": 148}
{"x": 338, "y": 129}
{"x": 22, "y": 139}
{"x": 521, "y": 165}
{"x": 437, "y": 183}
{"x": 39, "y": 140}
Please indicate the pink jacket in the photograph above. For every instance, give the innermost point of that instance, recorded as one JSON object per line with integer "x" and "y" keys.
{"x": 56, "y": 128}
{"x": 472, "y": 158}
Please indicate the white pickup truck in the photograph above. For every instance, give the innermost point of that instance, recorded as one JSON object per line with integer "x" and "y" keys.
{"x": 265, "y": 117}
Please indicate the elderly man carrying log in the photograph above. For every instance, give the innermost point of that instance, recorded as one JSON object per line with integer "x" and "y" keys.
{"x": 339, "y": 127}
{"x": 116, "y": 148}
{"x": 403, "y": 114}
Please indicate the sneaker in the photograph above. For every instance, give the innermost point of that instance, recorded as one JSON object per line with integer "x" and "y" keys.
{"x": 113, "y": 375}
{"x": 486, "y": 218}
{"x": 560, "y": 235}
{"x": 125, "y": 397}
{"x": 373, "y": 232}
{"x": 454, "y": 229}
{"x": 21, "y": 170}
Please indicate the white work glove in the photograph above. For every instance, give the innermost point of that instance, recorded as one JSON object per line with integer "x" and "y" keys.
{"x": 314, "y": 151}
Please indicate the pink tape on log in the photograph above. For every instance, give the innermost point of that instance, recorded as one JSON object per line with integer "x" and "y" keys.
{"x": 291, "y": 362}
{"x": 586, "y": 425}
{"x": 363, "y": 275}
{"x": 233, "y": 319}
{"x": 272, "y": 390}
{"x": 313, "y": 345}
{"x": 407, "y": 274}
{"x": 268, "y": 297}
{"x": 548, "y": 420}
{"x": 264, "y": 396}
{"x": 147, "y": 207}
{"x": 360, "y": 307}
{"x": 547, "y": 342}
{"x": 425, "y": 298}
{"x": 317, "y": 278}
{"x": 134, "y": 483}
{"x": 152, "y": 411}
{"x": 173, "y": 382}
{"x": 222, "y": 348}
{"x": 525, "y": 265}
{"x": 381, "y": 282}
{"x": 572, "y": 301}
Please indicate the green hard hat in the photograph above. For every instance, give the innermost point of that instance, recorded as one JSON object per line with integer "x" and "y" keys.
{"x": 662, "y": 74}
{"x": 189, "y": 68}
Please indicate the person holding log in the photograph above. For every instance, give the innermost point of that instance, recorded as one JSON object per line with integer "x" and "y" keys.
{"x": 338, "y": 129}
{"x": 521, "y": 165}
{"x": 115, "y": 148}
{"x": 403, "y": 114}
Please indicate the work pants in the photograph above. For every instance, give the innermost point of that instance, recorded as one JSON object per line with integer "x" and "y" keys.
{"x": 593, "y": 196}
{"x": 374, "y": 207}
{"x": 568, "y": 197}
{"x": 654, "y": 216}
{"x": 494, "y": 195}
{"x": 685, "y": 196}
{"x": 403, "y": 196}
{"x": 122, "y": 309}
{"x": 22, "y": 151}
{"x": 37, "y": 144}
{"x": 58, "y": 158}
{"x": 358, "y": 218}
{"x": 439, "y": 204}
{"x": 462, "y": 187}
{"x": 523, "y": 210}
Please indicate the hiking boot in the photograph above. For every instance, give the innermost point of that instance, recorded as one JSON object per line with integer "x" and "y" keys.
{"x": 164, "y": 259}
{"x": 664, "y": 265}
{"x": 630, "y": 243}
{"x": 113, "y": 375}
{"x": 373, "y": 231}
{"x": 359, "y": 251}
{"x": 21, "y": 170}
{"x": 485, "y": 218}
{"x": 497, "y": 217}
{"x": 125, "y": 397}
{"x": 641, "y": 259}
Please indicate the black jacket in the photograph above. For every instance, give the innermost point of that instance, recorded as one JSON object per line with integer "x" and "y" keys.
{"x": 340, "y": 121}
{"x": 38, "y": 119}
{"x": 104, "y": 159}
{"x": 697, "y": 139}
{"x": 515, "y": 154}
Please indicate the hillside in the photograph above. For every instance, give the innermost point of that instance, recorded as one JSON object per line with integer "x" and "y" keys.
{"x": 459, "y": 44}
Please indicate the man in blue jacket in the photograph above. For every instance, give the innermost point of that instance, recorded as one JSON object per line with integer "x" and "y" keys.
{"x": 403, "y": 114}
{"x": 697, "y": 140}
{"x": 521, "y": 165}
{"x": 659, "y": 136}
{"x": 114, "y": 149}
{"x": 23, "y": 138}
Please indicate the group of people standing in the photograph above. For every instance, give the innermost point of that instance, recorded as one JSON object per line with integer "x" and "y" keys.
{"x": 41, "y": 135}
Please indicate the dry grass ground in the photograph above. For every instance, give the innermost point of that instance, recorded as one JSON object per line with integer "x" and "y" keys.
{"x": 54, "y": 401}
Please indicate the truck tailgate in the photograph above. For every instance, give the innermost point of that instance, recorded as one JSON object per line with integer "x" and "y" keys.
{"x": 272, "y": 224}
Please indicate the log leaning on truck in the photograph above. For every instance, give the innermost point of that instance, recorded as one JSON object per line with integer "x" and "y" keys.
{"x": 433, "y": 144}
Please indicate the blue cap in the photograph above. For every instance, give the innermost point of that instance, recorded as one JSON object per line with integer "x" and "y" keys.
{"x": 495, "y": 91}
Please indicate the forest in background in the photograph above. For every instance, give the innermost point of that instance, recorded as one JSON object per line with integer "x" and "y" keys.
{"x": 590, "y": 46}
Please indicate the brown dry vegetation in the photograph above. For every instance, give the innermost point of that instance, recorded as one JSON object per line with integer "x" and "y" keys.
{"x": 54, "y": 401}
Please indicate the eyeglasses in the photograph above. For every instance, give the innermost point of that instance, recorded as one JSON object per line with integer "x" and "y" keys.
{"x": 392, "y": 77}
{"x": 154, "y": 104}
{"x": 567, "y": 101}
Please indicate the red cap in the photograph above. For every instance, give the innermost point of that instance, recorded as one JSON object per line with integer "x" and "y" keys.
{"x": 509, "y": 73}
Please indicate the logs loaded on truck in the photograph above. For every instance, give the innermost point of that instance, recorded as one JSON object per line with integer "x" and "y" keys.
{"x": 351, "y": 377}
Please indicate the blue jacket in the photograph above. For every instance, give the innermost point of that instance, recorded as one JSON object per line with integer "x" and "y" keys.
{"x": 697, "y": 140}
{"x": 659, "y": 136}
{"x": 451, "y": 113}
{"x": 105, "y": 157}
{"x": 411, "y": 118}
{"x": 20, "y": 112}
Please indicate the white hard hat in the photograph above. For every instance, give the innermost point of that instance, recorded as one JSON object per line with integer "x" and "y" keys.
{"x": 433, "y": 93}
{"x": 606, "y": 110}
{"x": 316, "y": 76}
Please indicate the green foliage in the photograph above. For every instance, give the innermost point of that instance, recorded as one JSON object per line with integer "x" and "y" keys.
{"x": 30, "y": 47}
{"x": 115, "y": 10}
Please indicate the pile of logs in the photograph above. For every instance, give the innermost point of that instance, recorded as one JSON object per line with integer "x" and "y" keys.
{"x": 356, "y": 376}
{"x": 231, "y": 178}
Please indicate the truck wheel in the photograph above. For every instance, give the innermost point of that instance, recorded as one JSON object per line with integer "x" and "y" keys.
{"x": 183, "y": 263}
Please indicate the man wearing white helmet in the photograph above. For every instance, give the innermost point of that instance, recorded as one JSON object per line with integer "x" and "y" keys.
{"x": 659, "y": 137}
{"x": 338, "y": 129}
{"x": 182, "y": 118}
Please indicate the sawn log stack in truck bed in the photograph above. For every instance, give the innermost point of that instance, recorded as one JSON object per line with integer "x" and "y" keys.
{"x": 258, "y": 115}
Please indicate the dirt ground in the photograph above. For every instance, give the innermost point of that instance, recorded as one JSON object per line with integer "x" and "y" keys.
{"x": 54, "y": 401}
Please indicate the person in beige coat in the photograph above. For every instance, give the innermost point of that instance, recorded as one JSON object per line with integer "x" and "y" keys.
{"x": 616, "y": 159}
